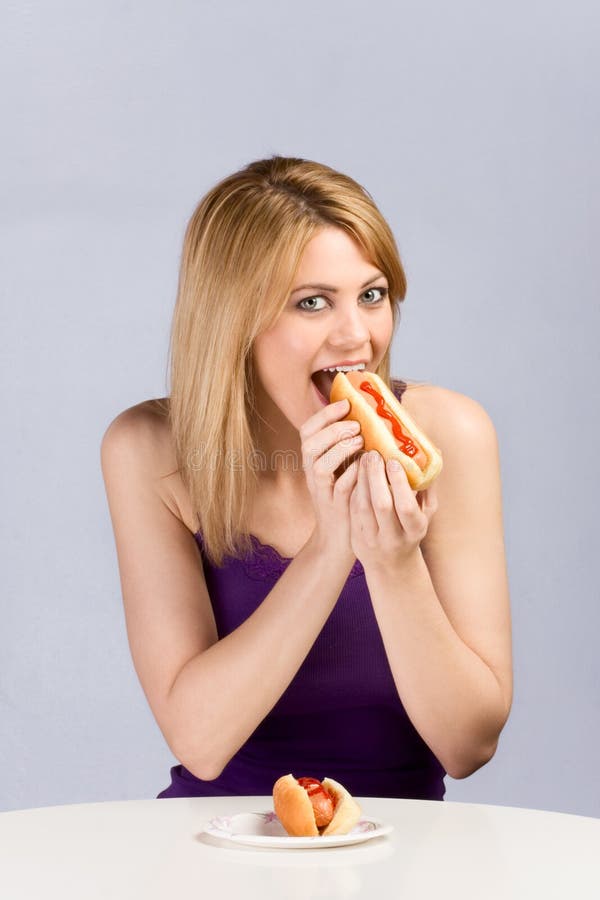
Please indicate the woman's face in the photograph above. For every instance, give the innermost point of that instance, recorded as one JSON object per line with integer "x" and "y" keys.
{"x": 344, "y": 317}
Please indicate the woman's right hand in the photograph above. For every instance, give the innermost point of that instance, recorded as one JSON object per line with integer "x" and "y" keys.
{"x": 328, "y": 443}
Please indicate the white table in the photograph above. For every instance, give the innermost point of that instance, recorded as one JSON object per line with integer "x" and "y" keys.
{"x": 154, "y": 848}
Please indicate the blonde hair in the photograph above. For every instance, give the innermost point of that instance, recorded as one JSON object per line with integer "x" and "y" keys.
{"x": 241, "y": 251}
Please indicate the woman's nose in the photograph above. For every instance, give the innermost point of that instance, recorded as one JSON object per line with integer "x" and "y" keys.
{"x": 349, "y": 328}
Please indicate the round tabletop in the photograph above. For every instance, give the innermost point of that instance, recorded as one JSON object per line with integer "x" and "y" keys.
{"x": 158, "y": 848}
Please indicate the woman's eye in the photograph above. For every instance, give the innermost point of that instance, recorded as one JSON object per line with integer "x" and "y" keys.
{"x": 383, "y": 291}
{"x": 309, "y": 300}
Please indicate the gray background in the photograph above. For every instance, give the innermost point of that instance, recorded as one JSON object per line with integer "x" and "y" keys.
{"x": 475, "y": 128}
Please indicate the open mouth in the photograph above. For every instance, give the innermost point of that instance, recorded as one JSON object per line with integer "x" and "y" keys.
{"x": 323, "y": 381}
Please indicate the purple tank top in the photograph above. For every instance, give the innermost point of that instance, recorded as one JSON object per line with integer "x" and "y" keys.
{"x": 340, "y": 716}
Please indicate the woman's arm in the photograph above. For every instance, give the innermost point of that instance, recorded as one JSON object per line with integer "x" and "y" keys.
{"x": 207, "y": 696}
{"x": 444, "y": 612}
{"x": 222, "y": 694}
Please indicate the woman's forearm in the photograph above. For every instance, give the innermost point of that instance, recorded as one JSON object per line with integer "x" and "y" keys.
{"x": 451, "y": 696}
{"x": 221, "y": 696}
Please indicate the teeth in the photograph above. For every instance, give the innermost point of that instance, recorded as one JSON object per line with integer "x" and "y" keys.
{"x": 357, "y": 368}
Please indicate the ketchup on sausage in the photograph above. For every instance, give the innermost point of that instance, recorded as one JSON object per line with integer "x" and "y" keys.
{"x": 407, "y": 444}
{"x": 321, "y": 800}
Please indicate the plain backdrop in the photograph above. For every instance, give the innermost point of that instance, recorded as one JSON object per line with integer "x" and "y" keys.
{"x": 475, "y": 126}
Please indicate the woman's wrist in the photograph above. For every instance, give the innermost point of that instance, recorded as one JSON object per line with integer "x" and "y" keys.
{"x": 334, "y": 551}
{"x": 404, "y": 568}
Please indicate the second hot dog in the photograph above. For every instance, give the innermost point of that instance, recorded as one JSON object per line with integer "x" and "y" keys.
{"x": 307, "y": 807}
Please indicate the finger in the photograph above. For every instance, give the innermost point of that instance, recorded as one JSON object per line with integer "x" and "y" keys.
{"x": 326, "y": 465}
{"x": 345, "y": 483}
{"x": 332, "y": 436}
{"x": 360, "y": 501}
{"x": 405, "y": 502}
{"x": 429, "y": 500}
{"x": 382, "y": 501}
{"x": 328, "y": 414}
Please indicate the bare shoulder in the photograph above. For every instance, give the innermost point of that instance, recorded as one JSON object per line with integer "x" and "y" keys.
{"x": 144, "y": 431}
{"x": 147, "y": 421}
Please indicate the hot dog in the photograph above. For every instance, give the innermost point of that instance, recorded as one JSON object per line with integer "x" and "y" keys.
{"x": 307, "y": 807}
{"x": 387, "y": 427}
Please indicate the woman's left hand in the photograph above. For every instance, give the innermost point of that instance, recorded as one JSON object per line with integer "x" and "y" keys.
{"x": 388, "y": 521}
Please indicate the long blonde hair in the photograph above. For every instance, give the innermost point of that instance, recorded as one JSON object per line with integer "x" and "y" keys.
{"x": 241, "y": 251}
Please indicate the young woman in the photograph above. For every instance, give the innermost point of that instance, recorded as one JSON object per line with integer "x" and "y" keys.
{"x": 289, "y": 609}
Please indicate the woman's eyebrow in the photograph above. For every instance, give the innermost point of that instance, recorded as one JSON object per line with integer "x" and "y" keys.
{"x": 334, "y": 290}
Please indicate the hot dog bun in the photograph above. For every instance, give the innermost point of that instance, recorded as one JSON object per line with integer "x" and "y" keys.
{"x": 294, "y": 809}
{"x": 366, "y": 393}
{"x": 347, "y": 811}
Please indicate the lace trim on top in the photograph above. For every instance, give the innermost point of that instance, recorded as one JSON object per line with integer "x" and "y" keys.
{"x": 265, "y": 561}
